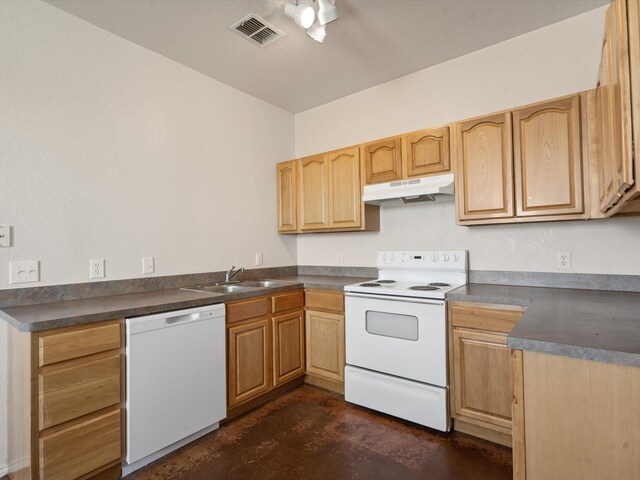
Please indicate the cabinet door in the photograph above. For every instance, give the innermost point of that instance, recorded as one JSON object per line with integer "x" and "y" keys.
{"x": 633, "y": 15}
{"x": 288, "y": 347}
{"x": 344, "y": 188}
{"x": 325, "y": 345}
{"x": 548, "y": 158}
{"x": 427, "y": 152}
{"x": 608, "y": 197}
{"x": 484, "y": 179}
{"x": 287, "y": 199}
{"x": 249, "y": 361}
{"x": 312, "y": 198}
{"x": 482, "y": 377}
{"x": 383, "y": 161}
{"x": 620, "y": 97}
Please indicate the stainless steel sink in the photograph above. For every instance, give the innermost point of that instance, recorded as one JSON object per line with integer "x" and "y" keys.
{"x": 266, "y": 283}
{"x": 221, "y": 288}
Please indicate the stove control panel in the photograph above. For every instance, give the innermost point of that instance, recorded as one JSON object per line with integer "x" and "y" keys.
{"x": 424, "y": 259}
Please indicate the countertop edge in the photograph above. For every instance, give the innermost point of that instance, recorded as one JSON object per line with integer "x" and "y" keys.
{"x": 575, "y": 351}
{"x": 134, "y": 311}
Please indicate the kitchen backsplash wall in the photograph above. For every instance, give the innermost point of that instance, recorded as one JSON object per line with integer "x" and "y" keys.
{"x": 556, "y": 60}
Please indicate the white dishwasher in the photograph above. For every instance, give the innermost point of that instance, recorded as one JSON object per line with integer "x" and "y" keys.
{"x": 176, "y": 381}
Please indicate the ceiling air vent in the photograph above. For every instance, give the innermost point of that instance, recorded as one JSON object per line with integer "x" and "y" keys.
{"x": 256, "y": 30}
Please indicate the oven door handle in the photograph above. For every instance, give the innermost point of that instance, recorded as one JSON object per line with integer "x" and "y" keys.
{"x": 394, "y": 298}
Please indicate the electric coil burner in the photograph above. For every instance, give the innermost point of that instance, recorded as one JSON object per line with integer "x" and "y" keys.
{"x": 396, "y": 337}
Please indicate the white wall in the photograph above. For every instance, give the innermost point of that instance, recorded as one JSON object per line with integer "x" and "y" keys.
{"x": 111, "y": 151}
{"x": 554, "y": 61}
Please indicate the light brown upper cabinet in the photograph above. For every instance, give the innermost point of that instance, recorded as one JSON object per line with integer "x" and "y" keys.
{"x": 313, "y": 193}
{"x": 326, "y": 194}
{"x": 548, "y": 158}
{"x": 618, "y": 110}
{"x": 344, "y": 188}
{"x": 383, "y": 160}
{"x": 416, "y": 154}
{"x": 484, "y": 179}
{"x": 287, "y": 182}
{"x": 522, "y": 166}
{"x": 426, "y": 152}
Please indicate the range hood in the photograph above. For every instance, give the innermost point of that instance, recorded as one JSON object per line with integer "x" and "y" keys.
{"x": 414, "y": 190}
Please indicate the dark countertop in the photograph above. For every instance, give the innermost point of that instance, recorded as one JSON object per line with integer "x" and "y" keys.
{"x": 588, "y": 324}
{"x": 45, "y": 316}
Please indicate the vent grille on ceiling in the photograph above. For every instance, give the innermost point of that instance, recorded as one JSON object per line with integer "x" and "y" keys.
{"x": 256, "y": 30}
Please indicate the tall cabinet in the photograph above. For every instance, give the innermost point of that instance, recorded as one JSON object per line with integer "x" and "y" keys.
{"x": 618, "y": 110}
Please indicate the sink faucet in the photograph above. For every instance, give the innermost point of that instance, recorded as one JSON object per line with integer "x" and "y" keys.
{"x": 232, "y": 272}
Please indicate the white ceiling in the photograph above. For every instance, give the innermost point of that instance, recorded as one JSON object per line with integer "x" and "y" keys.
{"x": 372, "y": 42}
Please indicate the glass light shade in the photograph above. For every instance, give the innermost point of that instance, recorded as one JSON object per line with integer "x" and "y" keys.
{"x": 327, "y": 12}
{"x": 303, "y": 15}
{"x": 317, "y": 32}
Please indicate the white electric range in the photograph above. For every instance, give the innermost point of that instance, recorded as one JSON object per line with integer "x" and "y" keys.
{"x": 396, "y": 335}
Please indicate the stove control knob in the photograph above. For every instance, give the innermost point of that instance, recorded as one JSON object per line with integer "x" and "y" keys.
{"x": 456, "y": 257}
{"x": 445, "y": 257}
{"x": 435, "y": 257}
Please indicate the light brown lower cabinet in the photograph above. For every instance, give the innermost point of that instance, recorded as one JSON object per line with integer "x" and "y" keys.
{"x": 265, "y": 346}
{"x": 324, "y": 320}
{"x": 481, "y": 383}
{"x": 577, "y": 419}
{"x": 66, "y": 401}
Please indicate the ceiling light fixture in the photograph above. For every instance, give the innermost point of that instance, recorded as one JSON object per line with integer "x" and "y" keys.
{"x": 317, "y": 32}
{"x": 327, "y": 12}
{"x": 303, "y": 15}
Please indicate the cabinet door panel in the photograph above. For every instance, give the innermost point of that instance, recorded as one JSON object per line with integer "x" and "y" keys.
{"x": 313, "y": 193}
{"x": 81, "y": 448}
{"x": 427, "y": 152}
{"x": 484, "y": 179}
{"x": 482, "y": 376}
{"x": 383, "y": 161}
{"x": 548, "y": 158}
{"x": 288, "y": 347}
{"x": 287, "y": 196}
{"x": 325, "y": 345}
{"x": 344, "y": 188}
{"x": 71, "y": 392}
{"x": 249, "y": 361}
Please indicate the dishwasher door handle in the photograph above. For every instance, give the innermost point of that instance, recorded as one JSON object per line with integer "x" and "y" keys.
{"x": 183, "y": 318}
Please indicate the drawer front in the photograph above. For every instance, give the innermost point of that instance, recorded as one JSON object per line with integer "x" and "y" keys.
{"x": 75, "y": 342}
{"x": 245, "y": 309}
{"x": 484, "y": 318}
{"x": 71, "y": 452}
{"x": 71, "y": 392}
{"x": 332, "y": 301}
{"x": 287, "y": 301}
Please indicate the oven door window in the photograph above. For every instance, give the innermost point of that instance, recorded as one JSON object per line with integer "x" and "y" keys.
{"x": 394, "y": 325}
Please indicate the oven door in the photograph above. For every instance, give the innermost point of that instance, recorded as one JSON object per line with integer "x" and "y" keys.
{"x": 400, "y": 336}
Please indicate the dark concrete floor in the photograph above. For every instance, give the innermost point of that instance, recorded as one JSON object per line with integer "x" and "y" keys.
{"x": 310, "y": 433}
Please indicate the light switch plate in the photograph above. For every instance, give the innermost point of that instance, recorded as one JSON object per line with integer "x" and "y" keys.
{"x": 5, "y": 236}
{"x": 259, "y": 258}
{"x": 24, "y": 272}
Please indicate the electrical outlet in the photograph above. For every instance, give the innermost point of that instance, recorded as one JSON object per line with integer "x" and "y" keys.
{"x": 5, "y": 236}
{"x": 563, "y": 260}
{"x": 148, "y": 265}
{"x": 24, "y": 272}
{"x": 96, "y": 268}
{"x": 340, "y": 257}
{"x": 259, "y": 258}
